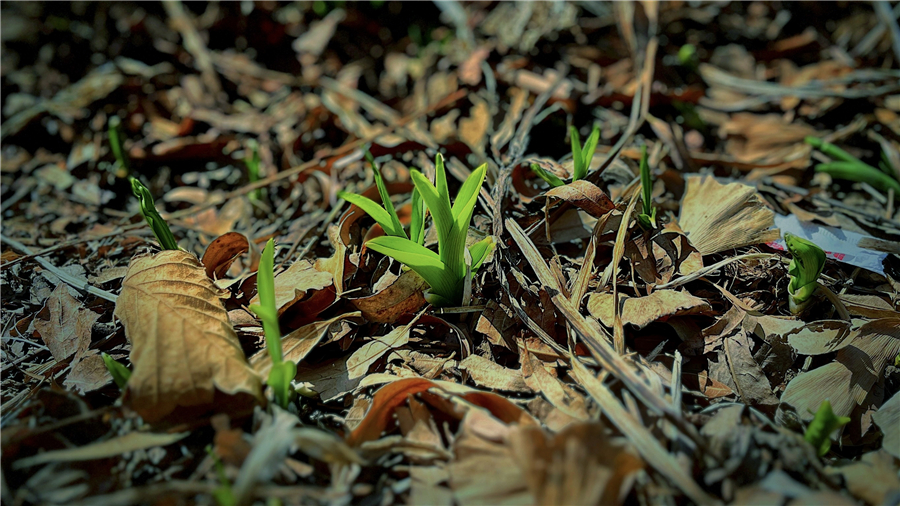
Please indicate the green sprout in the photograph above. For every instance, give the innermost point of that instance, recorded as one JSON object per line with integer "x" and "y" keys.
{"x": 687, "y": 56}
{"x": 223, "y": 494}
{"x": 804, "y": 269}
{"x": 581, "y": 158}
{"x": 851, "y": 168}
{"x": 385, "y": 214}
{"x": 282, "y": 371}
{"x": 445, "y": 272}
{"x": 115, "y": 142}
{"x": 148, "y": 209}
{"x": 647, "y": 218}
{"x": 119, "y": 372}
{"x": 252, "y": 163}
{"x": 822, "y": 425}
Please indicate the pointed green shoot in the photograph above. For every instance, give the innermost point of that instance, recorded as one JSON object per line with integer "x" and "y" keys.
{"x": 550, "y": 178}
{"x": 822, "y": 425}
{"x": 252, "y": 163}
{"x": 647, "y": 219}
{"x": 385, "y": 196}
{"x": 860, "y": 173}
{"x": 148, "y": 209}
{"x": 115, "y": 142}
{"x": 119, "y": 372}
{"x": 223, "y": 494}
{"x": 805, "y": 267}
{"x": 480, "y": 250}
{"x": 582, "y": 157}
{"x": 417, "y": 220}
{"x": 282, "y": 372}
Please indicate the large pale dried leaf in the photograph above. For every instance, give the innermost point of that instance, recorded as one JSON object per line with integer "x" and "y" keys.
{"x": 874, "y": 477}
{"x": 88, "y": 375}
{"x": 719, "y": 217}
{"x": 642, "y": 311}
{"x": 183, "y": 346}
{"x": 69, "y": 328}
{"x": 736, "y": 368}
{"x": 335, "y": 264}
{"x": 888, "y": 420}
{"x": 473, "y": 129}
{"x": 489, "y": 374}
{"x": 817, "y": 338}
{"x": 847, "y": 381}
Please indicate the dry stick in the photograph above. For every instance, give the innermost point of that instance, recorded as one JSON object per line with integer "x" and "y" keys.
{"x": 449, "y": 99}
{"x": 82, "y": 286}
{"x": 597, "y": 340}
{"x": 714, "y": 267}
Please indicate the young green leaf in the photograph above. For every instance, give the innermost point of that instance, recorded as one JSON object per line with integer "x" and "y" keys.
{"x": 647, "y": 218}
{"x": 551, "y": 179}
{"x": 252, "y": 163}
{"x": 590, "y": 147}
{"x": 119, "y": 372}
{"x": 378, "y": 213}
{"x": 480, "y": 250}
{"x": 115, "y": 142}
{"x": 423, "y": 261}
{"x": 223, "y": 494}
{"x": 805, "y": 267}
{"x": 578, "y": 169}
{"x": 818, "y": 433}
{"x": 417, "y": 220}
{"x": 148, "y": 209}
{"x": 385, "y": 197}
{"x": 860, "y": 173}
{"x": 282, "y": 373}
{"x": 442, "y": 215}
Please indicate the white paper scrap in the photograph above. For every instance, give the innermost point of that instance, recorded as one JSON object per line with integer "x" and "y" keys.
{"x": 844, "y": 246}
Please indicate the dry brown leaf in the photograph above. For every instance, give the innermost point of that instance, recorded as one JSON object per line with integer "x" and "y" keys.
{"x": 359, "y": 362}
{"x": 873, "y": 478}
{"x": 719, "y": 217}
{"x": 334, "y": 264}
{"x": 817, "y": 338}
{"x": 846, "y": 382}
{"x": 401, "y": 297}
{"x": 473, "y": 129}
{"x": 642, "y": 311}
{"x": 294, "y": 284}
{"x": 584, "y": 195}
{"x": 220, "y": 254}
{"x": 299, "y": 343}
{"x": 563, "y": 397}
{"x": 69, "y": 326}
{"x": 183, "y": 346}
{"x": 489, "y": 374}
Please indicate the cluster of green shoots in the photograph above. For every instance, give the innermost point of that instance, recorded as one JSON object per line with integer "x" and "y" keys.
{"x": 847, "y": 166}
{"x": 448, "y": 271}
{"x": 581, "y": 158}
{"x": 283, "y": 371}
{"x": 806, "y": 265}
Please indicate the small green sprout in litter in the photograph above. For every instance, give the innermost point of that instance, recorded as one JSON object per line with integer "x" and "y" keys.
{"x": 252, "y": 163}
{"x": 647, "y": 218}
{"x": 851, "y": 168}
{"x": 448, "y": 271}
{"x": 822, "y": 425}
{"x": 157, "y": 223}
{"x": 582, "y": 156}
{"x": 115, "y": 142}
{"x": 283, "y": 371}
{"x": 223, "y": 494}
{"x": 687, "y": 56}
{"x": 805, "y": 267}
{"x": 385, "y": 214}
{"x": 549, "y": 177}
{"x": 119, "y": 372}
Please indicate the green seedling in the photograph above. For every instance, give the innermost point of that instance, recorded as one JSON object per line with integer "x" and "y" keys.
{"x": 119, "y": 372}
{"x": 157, "y": 223}
{"x": 822, "y": 425}
{"x": 647, "y": 218}
{"x": 445, "y": 272}
{"x": 282, "y": 372}
{"x": 223, "y": 494}
{"x": 805, "y": 267}
{"x": 851, "y": 168}
{"x": 115, "y": 143}
{"x": 687, "y": 56}
{"x": 582, "y": 156}
{"x": 385, "y": 214}
{"x": 252, "y": 163}
{"x": 549, "y": 177}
